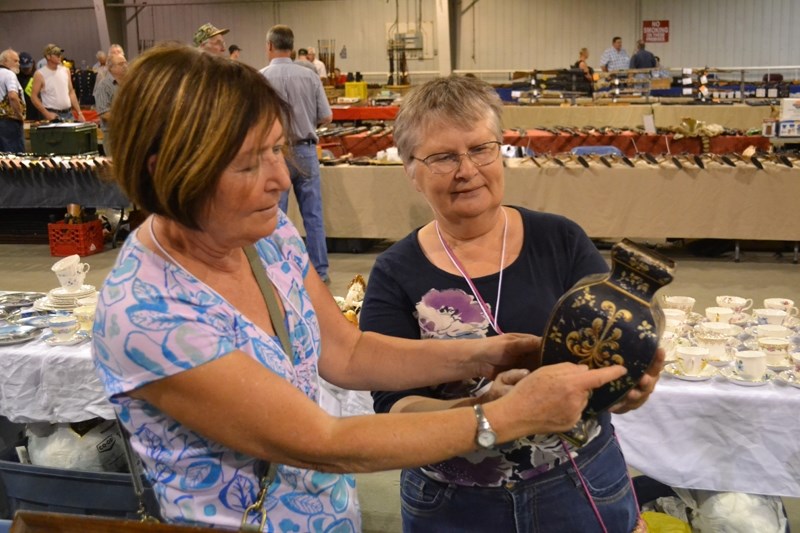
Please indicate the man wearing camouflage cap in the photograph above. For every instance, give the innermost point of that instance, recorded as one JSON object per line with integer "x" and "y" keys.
{"x": 209, "y": 38}
{"x": 52, "y": 93}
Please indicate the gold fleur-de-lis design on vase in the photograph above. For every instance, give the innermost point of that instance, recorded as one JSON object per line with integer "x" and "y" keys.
{"x": 597, "y": 346}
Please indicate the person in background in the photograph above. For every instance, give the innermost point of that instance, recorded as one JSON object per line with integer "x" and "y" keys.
{"x": 302, "y": 59}
{"x": 100, "y": 65}
{"x": 481, "y": 269}
{"x": 234, "y": 51}
{"x": 581, "y": 63}
{"x": 209, "y": 38}
{"x": 642, "y": 58}
{"x": 104, "y": 95}
{"x": 338, "y": 77}
{"x": 303, "y": 90}
{"x": 12, "y": 104}
{"x": 319, "y": 65}
{"x": 116, "y": 49}
{"x": 615, "y": 57}
{"x": 25, "y": 77}
{"x": 659, "y": 71}
{"x": 52, "y": 93}
{"x": 186, "y": 338}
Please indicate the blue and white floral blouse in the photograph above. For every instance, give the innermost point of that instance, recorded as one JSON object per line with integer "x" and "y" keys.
{"x": 155, "y": 319}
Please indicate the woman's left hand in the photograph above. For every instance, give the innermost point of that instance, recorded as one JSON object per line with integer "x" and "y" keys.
{"x": 639, "y": 394}
{"x": 503, "y": 383}
{"x": 507, "y": 351}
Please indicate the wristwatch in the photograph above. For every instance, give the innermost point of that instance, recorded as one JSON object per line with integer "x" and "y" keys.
{"x": 485, "y": 437}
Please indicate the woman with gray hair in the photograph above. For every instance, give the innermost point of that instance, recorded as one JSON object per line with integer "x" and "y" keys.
{"x": 480, "y": 269}
{"x": 213, "y": 328}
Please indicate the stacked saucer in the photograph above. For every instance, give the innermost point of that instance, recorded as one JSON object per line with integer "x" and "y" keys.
{"x": 60, "y": 299}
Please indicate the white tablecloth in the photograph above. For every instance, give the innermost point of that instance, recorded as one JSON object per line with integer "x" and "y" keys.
{"x": 716, "y": 435}
{"x": 39, "y": 383}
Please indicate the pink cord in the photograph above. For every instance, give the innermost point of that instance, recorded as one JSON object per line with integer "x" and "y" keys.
{"x": 589, "y": 495}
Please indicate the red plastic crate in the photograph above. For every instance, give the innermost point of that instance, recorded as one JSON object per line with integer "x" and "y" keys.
{"x": 82, "y": 239}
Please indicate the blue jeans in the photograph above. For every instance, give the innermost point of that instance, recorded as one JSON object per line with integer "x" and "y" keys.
{"x": 553, "y": 502}
{"x": 304, "y": 173}
{"x": 12, "y": 136}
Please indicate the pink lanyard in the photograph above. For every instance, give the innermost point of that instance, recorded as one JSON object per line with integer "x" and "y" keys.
{"x": 487, "y": 312}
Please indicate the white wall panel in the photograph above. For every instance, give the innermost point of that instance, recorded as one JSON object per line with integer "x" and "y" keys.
{"x": 493, "y": 34}
{"x": 70, "y": 24}
{"x": 724, "y": 33}
{"x": 542, "y": 34}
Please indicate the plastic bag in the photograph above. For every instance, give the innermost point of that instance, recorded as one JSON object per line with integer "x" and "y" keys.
{"x": 93, "y": 445}
{"x": 734, "y": 512}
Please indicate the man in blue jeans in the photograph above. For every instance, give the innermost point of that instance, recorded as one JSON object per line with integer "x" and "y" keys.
{"x": 303, "y": 91}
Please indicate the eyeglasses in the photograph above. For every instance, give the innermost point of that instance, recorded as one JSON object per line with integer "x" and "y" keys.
{"x": 447, "y": 162}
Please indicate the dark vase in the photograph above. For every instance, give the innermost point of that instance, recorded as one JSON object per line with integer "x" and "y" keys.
{"x": 611, "y": 319}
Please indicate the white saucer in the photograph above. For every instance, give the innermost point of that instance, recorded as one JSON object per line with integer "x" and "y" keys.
{"x": 789, "y": 377}
{"x": 781, "y": 368}
{"x": 720, "y": 362}
{"x": 61, "y": 292}
{"x": 79, "y": 337}
{"x": 46, "y": 304}
{"x": 675, "y": 371}
{"x": 731, "y": 375}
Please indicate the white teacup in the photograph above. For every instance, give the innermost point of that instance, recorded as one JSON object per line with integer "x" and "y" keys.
{"x": 737, "y": 303}
{"x": 776, "y": 350}
{"x": 718, "y": 328}
{"x": 772, "y": 330}
{"x": 716, "y": 344}
{"x": 63, "y": 326}
{"x": 751, "y": 364}
{"x": 673, "y": 325}
{"x": 667, "y": 342}
{"x": 85, "y": 316}
{"x": 70, "y": 272}
{"x": 769, "y": 316}
{"x": 719, "y": 314}
{"x": 692, "y": 359}
{"x": 675, "y": 314}
{"x": 684, "y": 303}
{"x": 783, "y": 304}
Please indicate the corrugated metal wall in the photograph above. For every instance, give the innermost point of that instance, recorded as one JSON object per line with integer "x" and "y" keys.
{"x": 492, "y": 34}
{"x": 725, "y": 33}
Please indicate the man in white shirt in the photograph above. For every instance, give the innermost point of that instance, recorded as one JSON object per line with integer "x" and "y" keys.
{"x": 319, "y": 65}
{"x": 53, "y": 94}
{"x": 615, "y": 58}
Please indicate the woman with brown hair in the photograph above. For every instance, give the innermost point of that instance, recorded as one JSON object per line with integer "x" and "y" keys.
{"x": 213, "y": 328}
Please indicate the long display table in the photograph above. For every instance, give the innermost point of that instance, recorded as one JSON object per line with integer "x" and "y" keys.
{"x": 642, "y": 202}
{"x": 37, "y": 188}
{"x": 544, "y": 142}
{"x": 736, "y": 116}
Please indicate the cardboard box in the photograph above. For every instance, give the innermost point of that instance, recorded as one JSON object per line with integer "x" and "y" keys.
{"x": 790, "y": 109}
{"x": 64, "y": 139}
{"x": 789, "y": 128}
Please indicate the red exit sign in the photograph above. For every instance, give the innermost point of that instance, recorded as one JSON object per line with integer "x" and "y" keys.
{"x": 655, "y": 31}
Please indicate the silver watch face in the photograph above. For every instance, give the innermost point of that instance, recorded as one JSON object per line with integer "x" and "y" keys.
{"x": 486, "y": 439}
